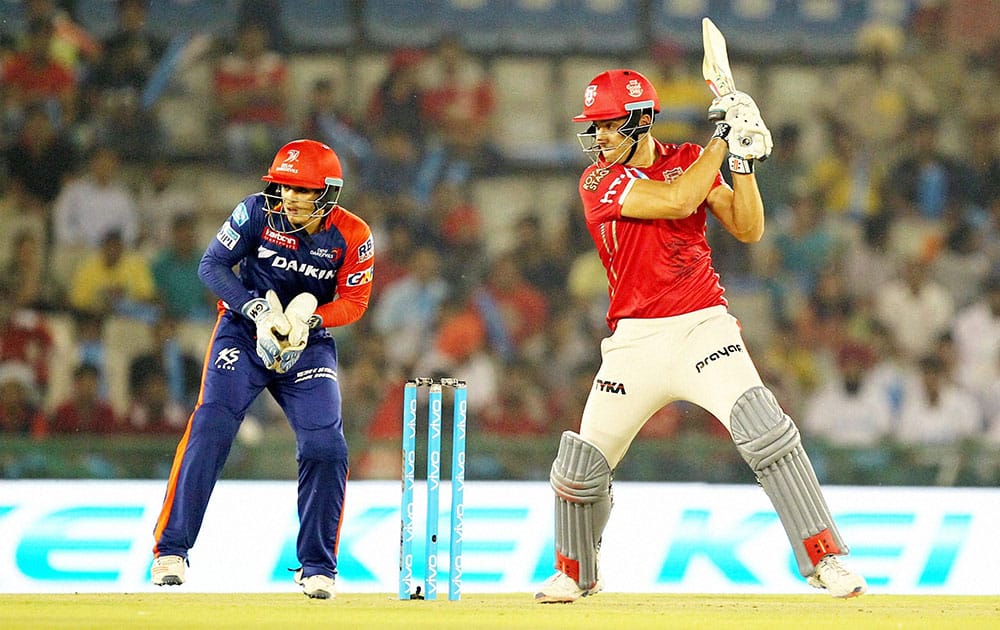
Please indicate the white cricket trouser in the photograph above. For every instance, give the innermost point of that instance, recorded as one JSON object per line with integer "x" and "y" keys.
{"x": 699, "y": 357}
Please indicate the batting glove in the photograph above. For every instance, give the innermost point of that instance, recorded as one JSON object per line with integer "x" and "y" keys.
{"x": 749, "y": 138}
{"x": 272, "y": 327}
{"x": 722, "y": 104}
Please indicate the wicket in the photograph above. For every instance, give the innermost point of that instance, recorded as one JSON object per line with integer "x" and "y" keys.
{"x": 457, "y": 517}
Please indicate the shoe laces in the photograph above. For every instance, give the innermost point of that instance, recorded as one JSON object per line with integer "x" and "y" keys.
{"x": 830, "y": 563}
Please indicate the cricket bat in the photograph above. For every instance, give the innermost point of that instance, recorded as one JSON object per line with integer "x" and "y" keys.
{"x": 715, "y": 66}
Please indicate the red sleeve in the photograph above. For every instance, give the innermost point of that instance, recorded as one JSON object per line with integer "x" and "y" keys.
{"x": 354, "y": 279}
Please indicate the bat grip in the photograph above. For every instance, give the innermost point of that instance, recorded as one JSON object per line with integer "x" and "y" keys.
{"x": 716, "y": 116}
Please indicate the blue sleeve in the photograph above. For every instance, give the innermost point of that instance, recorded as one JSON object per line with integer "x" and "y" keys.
{"x": 231, "y": 245}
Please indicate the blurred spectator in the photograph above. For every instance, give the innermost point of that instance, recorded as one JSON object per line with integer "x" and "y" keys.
{"x": 924, "y": 177}
{"x": 962, "y": 263}
{"x": 876, "y": 97}
{"x": 396, "y": 248}
{"x": 407, "y": 310}
{"x": 891, "y": 375}
{"x": 161, "y": 198}
{"x": 26, "y": 271}
{"x": 786, "y": 170}
{"x": 939, "y": 412}
{"x": 515, "y": 311}
{"x": 976, "y": 333}
{"x": 915, "y": 309}
{"x": 91, "y": 206}
{"x": 395, "y": 104}
{"x": 394, "y": 168}
{"x": 130, "y": 53}
{"x": 251, "y": 89}
{"x": 866, "y": 262}
{"x": 847, "y": 177}
{"x": 175, "y": 275}
{"x": 72, "y": 46}
{"x": 805, "y": 244}
{"x": 456, "y": 224}
{"x": 39, "y": 162}
{"x": 522, "y": 406}
{"x": 32, "y": 77}
{"x": 267, "y": 15}
{"x": 791, "y": 359}
{"x": 327, "y": 121}
{"x": 20, "y": 408}
{"x": 844, "y": 411}
{"x": 114, "y": 281}
{"x": 25, "y": 338}
{"x": 166, "y": 359}
{"x": 84, "y": 410}
{"x": 151, "y": 409}
{"x": 88, "y": 333}
{"x": 543, "y": 260}
{"x": 684, "y": 100}
{"x": 459, "y": 105}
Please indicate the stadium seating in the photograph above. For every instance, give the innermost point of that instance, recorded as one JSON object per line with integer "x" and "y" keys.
{"x": 318, "y": 24}
{"x": 393, "y": 24}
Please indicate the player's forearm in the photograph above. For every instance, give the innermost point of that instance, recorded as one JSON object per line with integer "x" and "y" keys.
{"x": 221, "y": 280}
{"x": 650, "y": 199}
{"x": 748, "y": 209}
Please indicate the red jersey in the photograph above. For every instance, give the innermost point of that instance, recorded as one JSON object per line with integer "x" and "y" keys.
{"x": 655, "y": 267}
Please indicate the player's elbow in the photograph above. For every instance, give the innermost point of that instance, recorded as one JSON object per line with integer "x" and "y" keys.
{"x": 750, "y": 234}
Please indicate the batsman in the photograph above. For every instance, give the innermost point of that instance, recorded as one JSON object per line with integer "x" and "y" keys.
{"x": 303, "y": 264}
{"x": 646, "y": 205}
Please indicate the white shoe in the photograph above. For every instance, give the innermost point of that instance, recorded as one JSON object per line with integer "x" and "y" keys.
{"x": 562, "y": 589}
{"x": 168, "y": 570}
{"x": 316, "y": 586}
{"x": 840, "y": 582}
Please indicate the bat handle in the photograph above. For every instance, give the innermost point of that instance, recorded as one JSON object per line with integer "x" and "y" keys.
{"x": 716, "y": 116}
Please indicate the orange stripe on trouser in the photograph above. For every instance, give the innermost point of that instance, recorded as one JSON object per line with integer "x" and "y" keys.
{"x": 175, "y": 469}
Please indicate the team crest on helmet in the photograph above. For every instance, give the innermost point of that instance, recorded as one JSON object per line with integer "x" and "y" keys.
{"x": 590, "y": 95}
{"x": 288, "y": 164}
{"x": 634, "y": 88}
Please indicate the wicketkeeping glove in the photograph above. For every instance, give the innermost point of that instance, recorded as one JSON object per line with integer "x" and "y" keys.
{"x": 300, "y": 314}
{"x": 271, "y": 324}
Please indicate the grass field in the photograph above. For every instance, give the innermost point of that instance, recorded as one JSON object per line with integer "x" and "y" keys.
{"x": 484, "y": 612}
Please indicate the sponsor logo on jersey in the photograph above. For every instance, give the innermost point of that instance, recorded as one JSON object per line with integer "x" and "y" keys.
{"x": 366, "y": 250}
{"x": 290, "y": 264}
{"x": 360, "y": 277}
{"x": 610, "y": 387}
{"x": 227, "y": 358}
{"x": 323, "y": 252}
{"x": 718, "y": 354}
{"x": 240, "y": 214}
{"x": 594, "y": 178}
{"x": 228, "y": 236}
{"x": 284, "y": 240}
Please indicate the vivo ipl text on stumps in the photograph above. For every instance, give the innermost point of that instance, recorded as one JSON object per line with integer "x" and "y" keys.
{"x": 457, "y": 518}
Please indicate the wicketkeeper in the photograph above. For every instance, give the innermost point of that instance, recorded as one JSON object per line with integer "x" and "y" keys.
{"x": 304, "y": 265}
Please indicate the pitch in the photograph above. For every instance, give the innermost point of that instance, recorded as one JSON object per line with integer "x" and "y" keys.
{"x": 177, "y": 610}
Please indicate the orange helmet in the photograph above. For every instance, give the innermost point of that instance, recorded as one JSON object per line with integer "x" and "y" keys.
{"x": 304, "y": 164}
{"x": 616, "y": 94}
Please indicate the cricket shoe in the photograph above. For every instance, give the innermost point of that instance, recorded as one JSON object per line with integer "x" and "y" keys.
{"x": 316, "y": 586}
{"x": 168, "y": 570}
{"x": 837, "y": 580}
{"x": 562, "y": 589}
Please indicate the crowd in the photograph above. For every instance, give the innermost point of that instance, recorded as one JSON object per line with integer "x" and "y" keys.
{"x": 880, "y": 264}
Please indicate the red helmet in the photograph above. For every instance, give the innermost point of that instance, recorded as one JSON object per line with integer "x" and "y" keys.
{"x": 307, "y": 164}
{"x": 616, "y": 94}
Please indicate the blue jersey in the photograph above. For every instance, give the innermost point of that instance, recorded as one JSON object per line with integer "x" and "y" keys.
{"x": 335, "y": 264}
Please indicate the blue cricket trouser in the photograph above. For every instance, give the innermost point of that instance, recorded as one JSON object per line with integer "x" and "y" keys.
{"x": 310, "y": 397}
